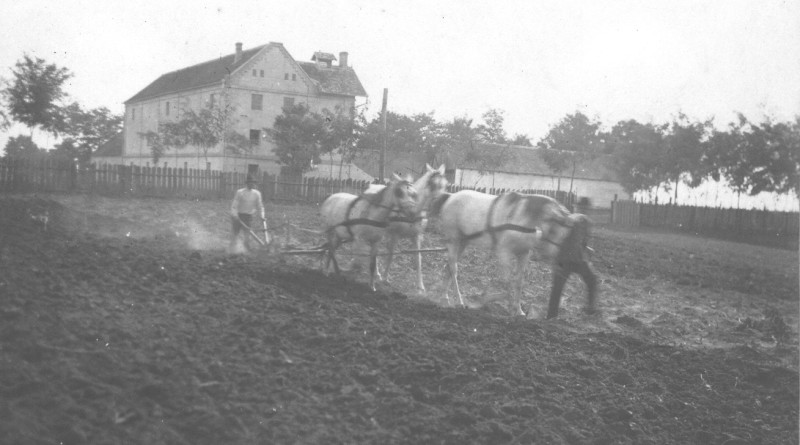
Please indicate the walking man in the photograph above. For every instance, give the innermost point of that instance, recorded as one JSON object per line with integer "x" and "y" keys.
{"x": 573, "y": 257}
{"x": 245, "y": 204}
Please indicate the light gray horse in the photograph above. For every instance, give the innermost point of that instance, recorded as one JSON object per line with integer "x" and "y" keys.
{"x": 513, "y": 225}
{"x": 348, "y": 217}
{"x": 429, "y": 187}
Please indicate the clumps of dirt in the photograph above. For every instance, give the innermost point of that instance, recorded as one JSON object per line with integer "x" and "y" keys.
{"x": 126, "y": 340}
{"x": 772, "y": 326}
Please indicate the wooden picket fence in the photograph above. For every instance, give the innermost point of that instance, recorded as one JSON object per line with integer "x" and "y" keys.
{"x": 705, "y": 219}
{"x": 48, "y": 175}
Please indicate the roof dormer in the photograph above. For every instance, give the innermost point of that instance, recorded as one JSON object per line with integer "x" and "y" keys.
{"x": 324, "y": 60}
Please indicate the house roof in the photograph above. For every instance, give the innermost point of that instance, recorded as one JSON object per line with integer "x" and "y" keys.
{"x": 319, "y": 55}
{"x": 520, "y": 160}
{"x": 333, "y": 80}
{"x": 195, "y": 76}
{"x": 340, "y": 80}
{"x": 112, "y": 147}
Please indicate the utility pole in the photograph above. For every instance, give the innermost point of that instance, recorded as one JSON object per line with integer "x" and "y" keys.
{"x": 382, "y": 170}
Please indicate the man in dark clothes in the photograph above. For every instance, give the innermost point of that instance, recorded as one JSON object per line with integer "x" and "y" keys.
{"x": 573, "y": 257}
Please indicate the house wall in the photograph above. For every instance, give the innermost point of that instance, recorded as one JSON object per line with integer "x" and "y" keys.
{"x": 601, "y": 193}
{"x": 273, "y": 85}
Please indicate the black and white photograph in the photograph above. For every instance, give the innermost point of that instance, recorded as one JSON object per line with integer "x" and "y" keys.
{"x": 400, "y": 222}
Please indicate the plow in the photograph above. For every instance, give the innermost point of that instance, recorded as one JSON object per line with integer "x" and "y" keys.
{"x": 273, "y": 247}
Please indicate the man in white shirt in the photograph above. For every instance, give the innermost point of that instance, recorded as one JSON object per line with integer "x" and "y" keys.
{"x": 245, "y": 204}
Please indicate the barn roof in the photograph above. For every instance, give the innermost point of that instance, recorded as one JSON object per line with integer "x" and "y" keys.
{"x": 112, "y": 147}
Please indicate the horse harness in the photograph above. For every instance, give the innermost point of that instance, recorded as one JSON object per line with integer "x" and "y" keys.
{"x": 493, "y": 230}
{"x": 348, "y": 223}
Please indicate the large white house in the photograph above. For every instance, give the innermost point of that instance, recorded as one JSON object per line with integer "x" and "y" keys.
{"x": 258, "y": 82}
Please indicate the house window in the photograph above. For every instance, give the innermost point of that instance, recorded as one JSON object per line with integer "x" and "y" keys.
{"x": 167, "y": 109}
{"x": 254, "y": 73}
{"x": 261, "y": 73}
{"x": 294, "y": 76}
{"x": 133, "y": 114}
{"x": 288, "y": 102}
{"x": 212, "y": 100}
{"x": 255, "y": 137}
{"x": 285, "y": 76}
{"x": 208, "y": 166}
{"x": 255, "y": 101}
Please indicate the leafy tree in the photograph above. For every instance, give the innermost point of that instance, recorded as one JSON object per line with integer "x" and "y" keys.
{"x": 573, "y": 140}
{"x": 34, "y": 93}
{"x": 683, "y": 152}
{"x": 419, "y": 134}
{"x": 491, "y": 130}
{"x": 343, "y": 128}
{"x": 23, "y": 147}
{"x": 757, "y": 158}
{"x": 298, "y": 134}
{"x": 473, "y": 141}
{"x": 205, "y": 129}
{"x": 521, "y": 140}
{"x": 639, "y": 149}
{"x": 87, "y": 130}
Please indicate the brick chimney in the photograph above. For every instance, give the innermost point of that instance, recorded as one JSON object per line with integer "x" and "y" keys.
{"x": 343, "y": 59}
{"x": 238, "y": 55}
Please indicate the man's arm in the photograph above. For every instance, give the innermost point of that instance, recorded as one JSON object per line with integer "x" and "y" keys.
{"x": 260, "y": 204}
{"x": 235, "y": 205}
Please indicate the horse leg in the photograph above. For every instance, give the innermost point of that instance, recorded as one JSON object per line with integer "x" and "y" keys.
{"x": 373, "y": 265}
{"x": 333, "y": 244}
{"x": 418, "y": 243}
{"x": 508, "y": 271}
{"x": 454, "y": 251}
{"x": 390, "y": 246}
{"x": 522, "y": 265}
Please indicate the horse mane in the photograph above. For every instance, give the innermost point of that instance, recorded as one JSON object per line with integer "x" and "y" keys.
{"x": 436, "y": 204}
{"x": 375, "y": 197}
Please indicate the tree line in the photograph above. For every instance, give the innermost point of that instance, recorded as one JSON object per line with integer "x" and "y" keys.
{"x": 752, "y": 157}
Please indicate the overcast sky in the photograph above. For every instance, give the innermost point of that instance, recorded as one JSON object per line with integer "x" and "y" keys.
{"x": 536, "y": 60}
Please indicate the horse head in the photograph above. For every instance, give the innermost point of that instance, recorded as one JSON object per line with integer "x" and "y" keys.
{"x": 402, "y": 195}
{"x": 430, "y": 186}
{"x": 555, "y": 228}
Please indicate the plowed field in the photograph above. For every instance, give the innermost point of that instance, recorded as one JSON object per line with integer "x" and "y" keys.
{"x": 126, "y": 322}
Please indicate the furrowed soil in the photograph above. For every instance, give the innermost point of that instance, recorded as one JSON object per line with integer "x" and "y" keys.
{"x": 126, "y": 322}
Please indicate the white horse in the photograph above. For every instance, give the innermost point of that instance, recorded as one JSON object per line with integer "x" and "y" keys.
{"x": 348, "y": 217}
{"x": 513, "y": 225}
{"x": 429, "y": 187}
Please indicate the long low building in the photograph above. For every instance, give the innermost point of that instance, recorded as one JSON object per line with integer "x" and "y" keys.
{"x": 521, "y": 168}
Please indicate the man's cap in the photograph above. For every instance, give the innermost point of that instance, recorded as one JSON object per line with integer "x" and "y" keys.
{"x": 250, "y": 179}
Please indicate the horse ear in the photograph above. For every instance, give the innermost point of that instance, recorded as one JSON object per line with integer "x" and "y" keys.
{"x": 441, "y": 169}
{"x": 428, "y": 167}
